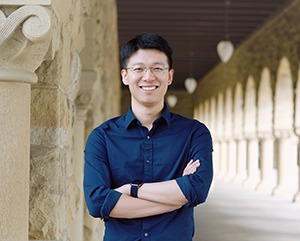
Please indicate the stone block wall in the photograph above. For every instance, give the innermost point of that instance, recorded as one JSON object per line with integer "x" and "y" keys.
{"x": 84, "y": 34}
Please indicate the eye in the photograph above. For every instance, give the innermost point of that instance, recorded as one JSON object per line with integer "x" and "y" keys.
{"x": 158, "y": 69}
{"x": 138, "y": 69}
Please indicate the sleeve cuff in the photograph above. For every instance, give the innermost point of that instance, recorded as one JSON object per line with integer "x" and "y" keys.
{"x": 110, "y": 202}
{"x": 187, "y": 190}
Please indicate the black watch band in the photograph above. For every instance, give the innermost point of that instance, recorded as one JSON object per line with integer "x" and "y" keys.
{"x": 135, "y": 186}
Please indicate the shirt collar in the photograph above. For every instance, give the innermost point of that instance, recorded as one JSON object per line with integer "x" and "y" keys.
{"x": 130, "y": 117}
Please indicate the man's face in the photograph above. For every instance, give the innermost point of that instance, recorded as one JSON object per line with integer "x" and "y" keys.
{"x": 147, "y": 89}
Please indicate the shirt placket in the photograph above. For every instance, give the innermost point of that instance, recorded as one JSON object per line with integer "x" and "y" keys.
{"x": 148, "y": 177}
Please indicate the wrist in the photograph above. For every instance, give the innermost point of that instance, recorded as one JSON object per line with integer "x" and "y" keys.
{"x": 134, "y": 186}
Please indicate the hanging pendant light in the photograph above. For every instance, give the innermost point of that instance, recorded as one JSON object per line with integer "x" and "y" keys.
{"x": 172, "y": 100}
{"x": 190, "y": 83}
{"x": 225, "y": 48}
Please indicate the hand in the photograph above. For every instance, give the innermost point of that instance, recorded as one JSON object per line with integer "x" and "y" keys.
{"x": 125, "y": 189}
{"x": 191, "y": 167}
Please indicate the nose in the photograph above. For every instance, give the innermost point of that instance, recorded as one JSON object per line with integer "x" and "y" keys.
{"x": 148, "y": 68}
{"x": 148, "y": 74}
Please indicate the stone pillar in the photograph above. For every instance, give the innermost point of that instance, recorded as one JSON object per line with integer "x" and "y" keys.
{"x": 241, "y": 161}
{"x": 283, "y": 128}
{"x": 232, "y": 151}
{"x": 297, "y": 195}
{"x": 266, "y": 160}
{"x": 76, "y": 228}
{"x": 284, "y": 156}
{"x": 30, "y": 25}
{"x": 265, "y": 131}
{"x": 223, "y": 159}
{"x": 252, "y": 163}
{"x": 250, "y": 129}
{"x": 238, "y": 131}
{"x": 231, "y": 143}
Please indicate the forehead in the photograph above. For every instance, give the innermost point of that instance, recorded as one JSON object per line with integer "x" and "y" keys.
{"x": 148, "y": 57}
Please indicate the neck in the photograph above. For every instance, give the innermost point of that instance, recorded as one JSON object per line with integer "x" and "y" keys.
{"x": 147, "y": 114}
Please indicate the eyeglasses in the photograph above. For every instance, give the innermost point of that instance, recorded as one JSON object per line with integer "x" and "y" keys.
{"x": 141, "y": 70}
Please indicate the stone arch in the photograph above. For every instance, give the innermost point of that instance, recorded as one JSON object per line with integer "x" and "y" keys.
{"x": 265, "y": 105}
{"x": 228, "y": 113}
{"x": 250, "y": 134}
{"x": 297, "y": 129}
{"x": 241, "y": 158}
{"x": 201, "y": 112}
{"x": 213, "y": 105}
{"x": 231, "y": 143}
{"x": 238, "y": 111}
{"x": 220, "y": 115}
{"x": 264, "y": 131}
{"x": 222, "y": 162}
{"x": 250, "y": 108}
{"x": 283, "y": 109}
{"x": 206, "y": 118}
{"x": 297, "y": 106}
{"x": 283, "y": 128}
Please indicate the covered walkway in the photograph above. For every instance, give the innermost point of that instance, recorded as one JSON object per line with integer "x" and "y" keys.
{"x": 235, "y": 213}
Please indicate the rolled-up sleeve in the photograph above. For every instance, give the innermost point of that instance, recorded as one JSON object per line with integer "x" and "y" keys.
{"x": 195, "y": 187}
{"x": 99, "y": 196}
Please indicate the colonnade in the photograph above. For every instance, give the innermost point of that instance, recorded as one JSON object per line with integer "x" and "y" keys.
{"x": 256, "y": 130}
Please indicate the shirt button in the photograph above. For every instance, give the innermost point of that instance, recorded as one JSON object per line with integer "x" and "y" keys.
{"x": 146, "y": 234}
{"x": 148, "y": 161}
{"x": 148, "y": 137}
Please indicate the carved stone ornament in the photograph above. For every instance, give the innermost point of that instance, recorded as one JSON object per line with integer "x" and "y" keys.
{"x": 24, "y": 41}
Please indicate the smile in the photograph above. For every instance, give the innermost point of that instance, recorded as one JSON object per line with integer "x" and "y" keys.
{"x": 148, "y": 88}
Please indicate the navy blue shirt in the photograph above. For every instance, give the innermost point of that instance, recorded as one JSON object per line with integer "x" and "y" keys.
{"x": 121, "y": 150}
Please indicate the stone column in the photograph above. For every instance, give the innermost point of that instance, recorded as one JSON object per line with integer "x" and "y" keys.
{"x": 232, "y": 150}
{"x": 297, "y": 195}
{"x": 252, "y": 163}
{"x": 284, "y": 155}
{"x": 23, "y": 45}
{"x": 241, "y": 161}
{"x": 76, "y": 229}
{"x": 266, "y": 159}
{"x": 284, "y": 129}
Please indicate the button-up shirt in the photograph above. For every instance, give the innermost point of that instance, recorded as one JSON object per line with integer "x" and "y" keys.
{"x": 121, "y": 150}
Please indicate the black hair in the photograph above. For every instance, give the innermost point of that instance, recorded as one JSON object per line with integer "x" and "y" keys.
{"x": 146, "y": 41}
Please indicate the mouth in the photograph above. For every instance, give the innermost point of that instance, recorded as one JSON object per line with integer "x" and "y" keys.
{"x": 149, "y": 88}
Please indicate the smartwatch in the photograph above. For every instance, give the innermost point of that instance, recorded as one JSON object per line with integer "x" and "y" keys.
{"x": 135, "y": 186}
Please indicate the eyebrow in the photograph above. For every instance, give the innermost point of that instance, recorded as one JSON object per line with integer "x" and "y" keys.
{"x": 144, "y": 64}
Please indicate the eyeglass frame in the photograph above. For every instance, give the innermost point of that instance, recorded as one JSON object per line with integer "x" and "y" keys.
{"x": 150, "y": 68}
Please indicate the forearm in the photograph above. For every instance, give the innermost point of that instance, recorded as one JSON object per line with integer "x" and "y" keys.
{"x": 167, "y": 193}
{"x": 130, "y": 207}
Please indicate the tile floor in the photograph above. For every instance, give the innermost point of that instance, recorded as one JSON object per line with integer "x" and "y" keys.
{"x": 235, "y": 213}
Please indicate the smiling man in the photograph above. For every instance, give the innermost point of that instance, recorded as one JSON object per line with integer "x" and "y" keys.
{"x": 140, "y": 176}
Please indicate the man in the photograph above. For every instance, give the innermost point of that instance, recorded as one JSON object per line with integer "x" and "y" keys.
{"x": 140, "y": 176}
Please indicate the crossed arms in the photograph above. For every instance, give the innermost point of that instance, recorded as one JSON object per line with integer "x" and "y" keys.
{"x": 153, "y": 198}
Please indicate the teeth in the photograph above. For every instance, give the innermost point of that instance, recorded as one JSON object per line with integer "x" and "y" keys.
{"x": 148, "y": 88}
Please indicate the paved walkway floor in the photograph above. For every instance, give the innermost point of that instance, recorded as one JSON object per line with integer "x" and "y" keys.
{"x": 235, "y": 213}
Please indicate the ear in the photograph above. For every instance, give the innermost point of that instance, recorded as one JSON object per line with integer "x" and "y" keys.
{"x": 124, "y": 76}
{"x": 171, "y": 73}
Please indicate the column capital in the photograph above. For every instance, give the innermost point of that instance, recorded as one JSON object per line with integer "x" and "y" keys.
{"x": 283, "y": 134}
{"x": 83, "y": 104}
{"x": 25, "y": 36}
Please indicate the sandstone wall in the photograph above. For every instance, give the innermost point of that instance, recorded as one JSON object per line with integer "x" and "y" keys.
{"x": 82, "y": 77}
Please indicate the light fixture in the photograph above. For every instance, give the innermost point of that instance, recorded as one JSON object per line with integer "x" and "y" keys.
{"x": 190, "y": 85}
{"x": 225, "y": 48}
{"x": 172, "y": 100}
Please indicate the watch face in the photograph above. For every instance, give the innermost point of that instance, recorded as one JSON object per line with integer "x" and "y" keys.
{"x": 137, "y": 182}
